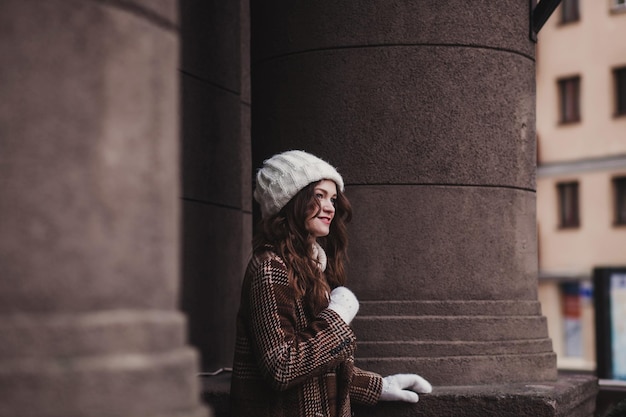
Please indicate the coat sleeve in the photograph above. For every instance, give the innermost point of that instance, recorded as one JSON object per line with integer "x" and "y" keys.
{"x": 366, "y": 387}
{"x": 285, "y": 355}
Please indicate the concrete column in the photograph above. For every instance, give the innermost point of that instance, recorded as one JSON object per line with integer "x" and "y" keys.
{"x": 216, "y": 171}
{"x": 89, "y": 212}
{"x": 427, "y": 108}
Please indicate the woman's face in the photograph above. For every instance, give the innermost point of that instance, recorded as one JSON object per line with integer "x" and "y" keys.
{"x": 318, "y": 223}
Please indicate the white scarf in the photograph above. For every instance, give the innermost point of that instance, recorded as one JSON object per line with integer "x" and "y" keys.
{"x": 320, "y": 256}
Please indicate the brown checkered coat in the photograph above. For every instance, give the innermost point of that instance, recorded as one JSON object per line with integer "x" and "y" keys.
{"x": 288, "y": 363}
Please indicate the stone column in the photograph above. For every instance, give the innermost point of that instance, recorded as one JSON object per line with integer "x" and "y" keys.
{"x": 428, "y": 110}
{"x": 89, "y": 212}
{"x": 217, "y": 196}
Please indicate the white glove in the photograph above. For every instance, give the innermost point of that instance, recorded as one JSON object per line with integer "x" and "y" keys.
{"x": 344, "y": 303}
{"x": 395, "y": 388}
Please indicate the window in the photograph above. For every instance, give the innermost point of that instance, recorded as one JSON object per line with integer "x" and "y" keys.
{"x": 619, "y": 187}
{"x": 568, "y": 204}
{"x": 569, "y": 96}
{"x": 569, "y": 11}
{"x": 619, "y": 75}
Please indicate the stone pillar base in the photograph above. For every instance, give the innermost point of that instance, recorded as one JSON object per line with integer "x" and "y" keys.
{"x": 572, "y": 396}
{"x": 569, "y": 396}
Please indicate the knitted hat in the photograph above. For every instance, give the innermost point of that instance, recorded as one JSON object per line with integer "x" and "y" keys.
{"x": 284, "y": 174}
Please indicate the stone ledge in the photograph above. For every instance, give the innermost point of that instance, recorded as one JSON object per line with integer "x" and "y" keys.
{"x": 449, "y": 308}
{"x": 569, "y": 396}
{"x": 572, "y": 396}
{"x": 442, "y": 348}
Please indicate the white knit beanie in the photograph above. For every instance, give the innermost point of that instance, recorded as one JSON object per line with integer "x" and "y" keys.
{"x": 284, "y": 174}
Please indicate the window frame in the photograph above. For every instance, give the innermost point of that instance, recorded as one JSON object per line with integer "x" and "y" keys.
{"x": 569, "y": 108}
{"x": 618, "y": 6}
{"x": 619, "y": 200}
{"x": 619, "y": 91}
{"x": 570, "y": 11}
{"x": 568, "y": 202}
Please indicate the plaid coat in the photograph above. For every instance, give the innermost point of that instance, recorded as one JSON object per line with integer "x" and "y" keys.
{"x": 288, "y": 363}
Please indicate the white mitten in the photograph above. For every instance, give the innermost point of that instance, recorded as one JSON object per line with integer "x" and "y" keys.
{"x": 403, "y": 387}
{"x": 344, "y": 303}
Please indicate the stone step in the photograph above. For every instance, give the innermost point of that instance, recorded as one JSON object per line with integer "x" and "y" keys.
{"x": 450, "y": 348}
{"x": 469, "y": 370}
{"x": 449, "y": 328}
{"x": 450, "y": 308}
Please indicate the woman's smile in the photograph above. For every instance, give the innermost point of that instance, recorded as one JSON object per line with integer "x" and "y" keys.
{"x": 326, "y": 220}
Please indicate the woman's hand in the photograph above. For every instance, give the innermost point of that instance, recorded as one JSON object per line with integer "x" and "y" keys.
{"x": 404, "y": 387}
{"x": 344, "y": 303}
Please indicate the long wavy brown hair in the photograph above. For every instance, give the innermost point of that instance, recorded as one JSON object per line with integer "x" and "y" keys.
{"x": 286, "y": 233}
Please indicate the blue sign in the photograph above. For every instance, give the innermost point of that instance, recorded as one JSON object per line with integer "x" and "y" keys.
{"x": 618, "y": 325}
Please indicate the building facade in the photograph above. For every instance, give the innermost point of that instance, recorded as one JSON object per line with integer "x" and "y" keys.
{"x": 581, "y": 175}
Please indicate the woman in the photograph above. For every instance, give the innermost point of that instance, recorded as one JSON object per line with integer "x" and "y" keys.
{"x": 294, "y": 353}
